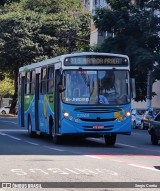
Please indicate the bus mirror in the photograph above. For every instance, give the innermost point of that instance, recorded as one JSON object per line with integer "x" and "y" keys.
{"x": 133, "y": 86}
{"x": 61, "y": 85}
{"x": 61, "y": 88}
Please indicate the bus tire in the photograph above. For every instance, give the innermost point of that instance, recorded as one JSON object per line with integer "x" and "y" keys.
{"x": 51, "y": 127}
{"x": 154, "y": 139}
{"x": 56, "y": 139}
{"x": 30, "y": 132}
{"x": 110, "y": 140}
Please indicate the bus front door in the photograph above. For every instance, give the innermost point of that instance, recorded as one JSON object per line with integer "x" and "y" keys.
{"x": 22, "y": 100}
{"x": 57, "y": 80}
{"x": 37, "y": 102}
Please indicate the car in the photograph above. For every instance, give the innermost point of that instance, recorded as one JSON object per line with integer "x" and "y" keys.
{"x": 154, "y": 129}
{"x": 136, "y": 116}
{"x": 5, "y": 109}
{"x": 148, "y": 116}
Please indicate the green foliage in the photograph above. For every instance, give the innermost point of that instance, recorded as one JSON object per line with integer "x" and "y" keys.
{"x": 32, "y": 31}
{"x": 136, "y": 34}
{"x": 3, "y": 2}
{"x": 36, "y": 30}
{"x": 6, "y": 86}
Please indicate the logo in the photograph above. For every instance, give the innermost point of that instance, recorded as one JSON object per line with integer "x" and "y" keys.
{"x": 6, "y": 185}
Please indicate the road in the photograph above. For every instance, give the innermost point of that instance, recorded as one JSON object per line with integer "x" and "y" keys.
{"x": 84, "y": 163}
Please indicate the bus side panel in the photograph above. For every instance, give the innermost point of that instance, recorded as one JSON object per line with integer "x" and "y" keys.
{"x": 29, "y": 110}
{"x": 21, "y": 102}
{"x": 42, "y": 113}
{"x": 45, "y": 111}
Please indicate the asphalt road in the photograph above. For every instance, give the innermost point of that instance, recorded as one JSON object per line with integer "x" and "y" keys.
{"x": 88, "y": 163}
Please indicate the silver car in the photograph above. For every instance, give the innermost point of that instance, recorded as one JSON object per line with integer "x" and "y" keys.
{"x": 136, "y": 115}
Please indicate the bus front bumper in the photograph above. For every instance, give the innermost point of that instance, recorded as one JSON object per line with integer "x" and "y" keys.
{"x": 115, "y": 127}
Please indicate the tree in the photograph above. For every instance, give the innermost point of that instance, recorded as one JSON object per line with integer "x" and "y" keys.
{"x": 6, "y": 87}
{"x": 32, "y": 31}
{"x": 3, "y": 2}
{"x": 136, "y": 34}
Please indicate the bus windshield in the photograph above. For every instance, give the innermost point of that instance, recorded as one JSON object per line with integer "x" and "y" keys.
{"x": 85, "y": 87}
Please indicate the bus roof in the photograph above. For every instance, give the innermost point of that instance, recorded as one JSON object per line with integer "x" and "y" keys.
{"x": 62, "y": 57}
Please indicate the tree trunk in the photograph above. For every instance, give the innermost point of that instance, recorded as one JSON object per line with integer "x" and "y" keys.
{"x": 1, "y": 100}
{"x": 13, "y": 109}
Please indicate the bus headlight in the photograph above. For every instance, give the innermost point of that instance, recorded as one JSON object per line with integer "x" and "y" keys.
{"x": 121, "y": 116}
{"x": 66, "y": 114}
{"x": 70, "y": 117}
{"x": 128, "y": 113}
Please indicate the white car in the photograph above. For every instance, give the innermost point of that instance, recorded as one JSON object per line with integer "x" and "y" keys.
{"x": 5, "y": 109}
{"x": 136, "y": 115}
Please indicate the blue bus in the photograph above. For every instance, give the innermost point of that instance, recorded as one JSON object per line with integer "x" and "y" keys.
{"x": 83, "y": 94}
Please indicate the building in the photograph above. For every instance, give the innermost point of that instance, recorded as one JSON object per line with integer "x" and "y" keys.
{"x": 96, "y": 36}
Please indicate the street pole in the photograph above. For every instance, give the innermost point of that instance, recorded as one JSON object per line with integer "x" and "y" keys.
{"x": 149, "y": 89}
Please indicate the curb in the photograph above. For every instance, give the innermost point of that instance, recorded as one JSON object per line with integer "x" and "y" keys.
{"x": 8, "y": 115}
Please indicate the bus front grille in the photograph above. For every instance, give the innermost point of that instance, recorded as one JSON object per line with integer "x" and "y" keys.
{"x": 98, "y": 119}
{"x": 98, "y": 110}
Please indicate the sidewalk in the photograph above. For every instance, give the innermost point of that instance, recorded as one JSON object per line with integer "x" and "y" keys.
{"x": 8, "y": 115}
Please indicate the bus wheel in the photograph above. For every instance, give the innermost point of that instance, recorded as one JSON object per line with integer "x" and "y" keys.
{"x": 110, "y": 139}
{"x": 56, "y": 139}
{"x": 51, "y": 127}
{"x": 154, "y": 139}
{"x": 30, "y": 132}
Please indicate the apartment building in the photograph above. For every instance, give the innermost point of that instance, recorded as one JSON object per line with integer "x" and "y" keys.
{"x": 96, "y": 36}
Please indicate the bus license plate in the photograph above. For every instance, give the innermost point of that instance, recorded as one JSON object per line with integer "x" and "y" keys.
{"x": 98, "y": 126}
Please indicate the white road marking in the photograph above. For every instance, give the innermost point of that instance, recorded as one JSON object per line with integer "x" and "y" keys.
{"x": 39, "y": 170}
{"x": 9, "y": 122}
{"x": 126, "y": 145}
{"x": 116, "y": 160}
{"x": 144, "y": 167}
{"x": 54, "y": 148}
{"x": 66, "y": 171}
{"x": 31, "y": 143}
{"x": 86, "y": 171}
{"x": 72, "y": 171}
{"x": 3, "y": 134}
{"x": 12, "y": 130}
{"x": 92, "y": 156}
{"x": 14, "y": 137}
{"x": 101, "y": 141}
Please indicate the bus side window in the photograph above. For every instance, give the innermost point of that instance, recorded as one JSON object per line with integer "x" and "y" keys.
{"x": 50, "y": 80}
{"x": 32, "y": 82}
{"x": 27, "y": 83}
{"x": 43, "y": 80}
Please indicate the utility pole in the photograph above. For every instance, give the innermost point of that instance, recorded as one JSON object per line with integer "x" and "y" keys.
{"x": 149, "y": 89}
{"x": 149, "y": 75}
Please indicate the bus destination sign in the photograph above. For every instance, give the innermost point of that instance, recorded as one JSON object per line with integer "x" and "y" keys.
{"x": 95, "y": 60}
